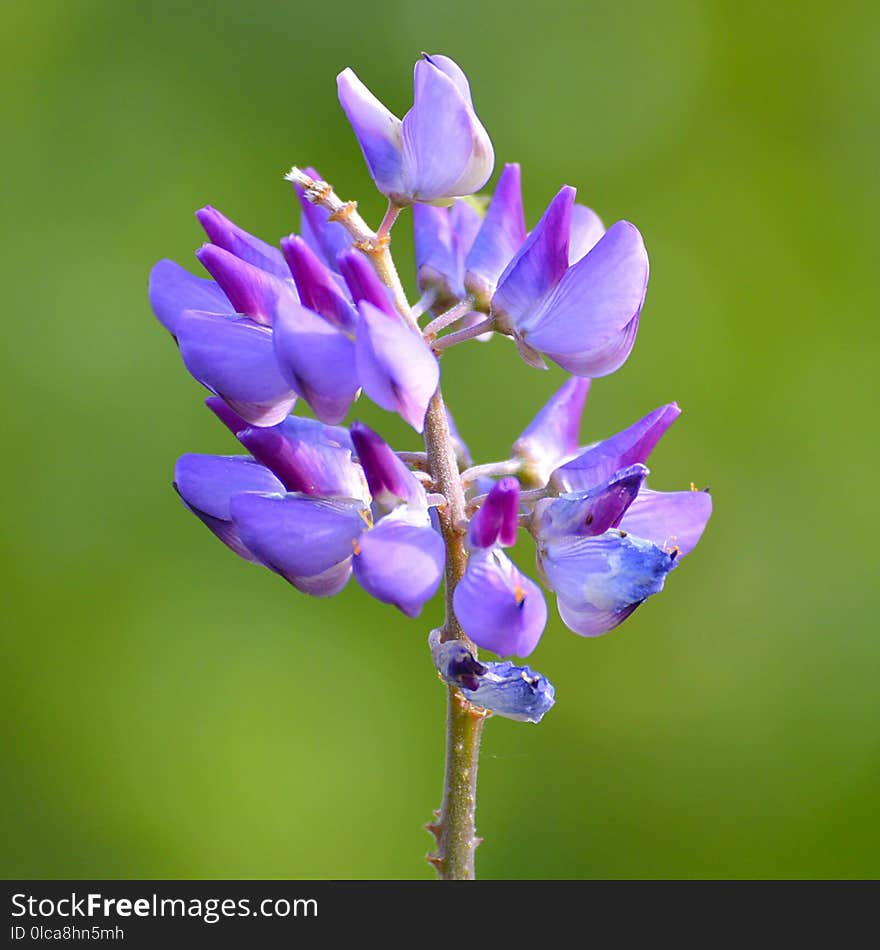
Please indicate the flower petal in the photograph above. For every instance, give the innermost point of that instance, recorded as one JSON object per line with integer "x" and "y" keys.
{"x": 394, "y": 364}
{"x": 537, "y": 267}
{"x": 296, "y": 535}
{"x": 672, "y": 520}
{"x": 174, "y": 289}
{"x": 400, "y": 563}
{"x": 502, "y": 234}
{"x": 589, "y": 622}
{"x": 318, "y": 287}
{"x": 586, "y": 230}
{"x": 390, "y": 481}
{"x": 325, "y": 237}
{"x": 234, "y": 358}
{"x": 317, "y": 359}
{"x": 602, "y": 460}
{"x": 378, "y": 132}
{"x": 228, "y": 235}
{"x": 496, "y": 521}
{"x": 498, "y": 607}
{"x": 553, "y": 435}
{"x": 363, "y": 282}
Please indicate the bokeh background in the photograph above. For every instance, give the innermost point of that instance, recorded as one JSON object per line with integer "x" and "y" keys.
{"x": 169, "y": 711}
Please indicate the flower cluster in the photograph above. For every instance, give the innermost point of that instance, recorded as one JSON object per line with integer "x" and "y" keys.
{"x": 321, "y": 319}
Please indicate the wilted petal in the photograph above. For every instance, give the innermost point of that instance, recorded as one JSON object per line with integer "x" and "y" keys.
{"x": 228, "y": 235}
{"x": 390, "y": 481}
{"x": 296, "y": 535}
{"x": 592, "y": 511}
{"x": 400, "y": 562}
{"x": 537, "y": 267}
{"x": 234, "y": 358}
{"x": 317, "y": 359}
{"x": 588, "y": 324}
{"x": 252, "y": 291}
{"x": 326, "y": 238}
{"x": 318, "y": 287}
{"x": 500, "y": 237}
{"x": 552, "y": 436}
{"x": 602, "y": 460}
{"x": 496, "y": 521}
{"x": 586, "y": 230}
{"x": 498, "y": 607}
{"x": 363, "y": 282}
{"x": 604, "y": 575}
{"x": 206, "y": 483}
{"x": 674, "y": 521}
{"x": 378, "y": 132}
{"x": 394, "y": 364}
{"x": 174, "y": 289}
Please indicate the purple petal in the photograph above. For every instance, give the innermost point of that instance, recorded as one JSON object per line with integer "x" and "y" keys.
{"x": 592, "y": 511}
{"x": 378, "y": 132}
{"x": 394, "y": 364}
{"x": 317, "y": 359}
{"x": 298, "y": 536}
{"x": 538, "y": 266}
{"x": 502, "y": 234}
{"x": 228, "y": 235}
{"x": 586, "y": 230}
{"x": 442, "y": 238}
{"x": 206, "y": 483}
{"x": 446, "y": 151}
{"x": 589, "y": 622}
{"x": 674, "y": 521}
{"x": 317, "y": 286}
{"x": 325, "y": 237}
{"x": 588, "y": 324}
{"x": 553, "y": 435}
{"x": 498, "y": 607}
{"x": 231, "y": 419}
{"x": 602, "y": 460}
{"x": 390, "y": 481}
{"x": 251, "y": 291}
{"x": 234, "y": 358}
{"x": 605, "y": 574}
{"x": 174, "y": 289}
{"x": 363, "y": 281}
{"x": 496, "y": 522}
{"x": 400, "y": 563}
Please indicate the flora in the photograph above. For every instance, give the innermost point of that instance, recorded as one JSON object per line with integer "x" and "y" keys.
{"x": 323, "y": 319}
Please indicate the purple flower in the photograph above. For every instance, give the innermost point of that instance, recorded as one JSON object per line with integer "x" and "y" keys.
{"x": 498, "y": 607}
{"x": 443, "y": 237}
{"x": 440, "y": 149}
{"x": 328, "y": 239}
{"x": 582, "y": 315}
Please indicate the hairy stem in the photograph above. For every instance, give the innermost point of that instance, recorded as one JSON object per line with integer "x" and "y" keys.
{"x": 455, "y": 828}
{"x": 460, "y": 336}
{"x": 461, "y": 309}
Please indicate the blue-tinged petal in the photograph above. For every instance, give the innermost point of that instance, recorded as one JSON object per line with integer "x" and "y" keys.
{"x": 252, "y": 291}
{"x": 606, "y": 574}
{"x": 174, "y": 289}
{"x": 588, "y": 324}
{"x": 326, "y": 238}
{"x": 400, "y": 562}
{"x": 498, "y": 607}
{"x": 228, "y": 235}
{"x": 496, "y": 521}
{"x": 500, "y": 237}
{"x": 235, "y": 359}
{"x": 552, "y": 436}
{"x": 586, "y": 230}
{"x": 592, "y": 511}
{"x": 378, "y": 132}
{"x": 394, "y": 364}
{"x": 318, "y": 287}
{"x": 674, "y": 521}
{"x": 537, "y": 267}
{"x": 206, "y": 483}
{"x": 363, "y": 281}
{"x": 390, "y": 482}
{"x": 602, "y": 460}
{"x": 446, "y": 151}
{"x": 442, "y": 239}
{"x": 310, "y": 467}
{"x": 317, "y": 359}
{"x": 297, "y": 535}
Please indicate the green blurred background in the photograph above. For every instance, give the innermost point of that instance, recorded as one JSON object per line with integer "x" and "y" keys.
{"x": 169, "y": 711}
